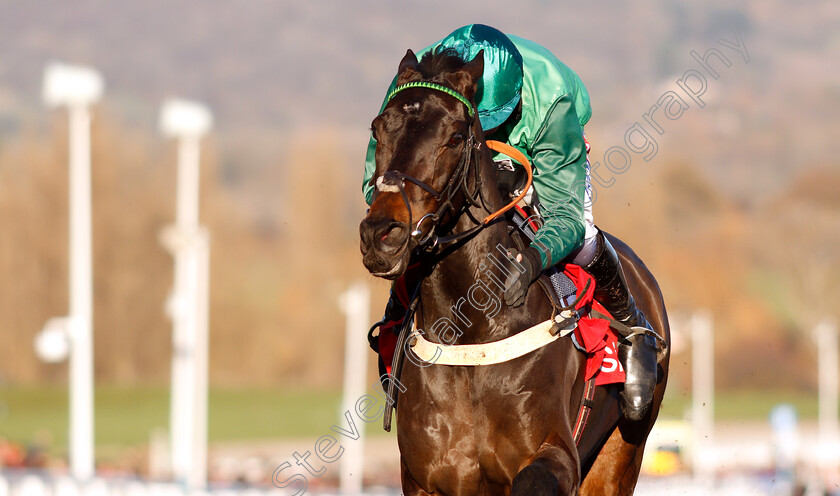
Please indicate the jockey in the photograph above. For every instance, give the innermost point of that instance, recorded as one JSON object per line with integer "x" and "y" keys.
{"x": 531, "y": 100}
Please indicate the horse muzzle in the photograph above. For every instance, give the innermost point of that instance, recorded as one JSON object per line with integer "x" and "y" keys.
{"x": 384, "y": 246}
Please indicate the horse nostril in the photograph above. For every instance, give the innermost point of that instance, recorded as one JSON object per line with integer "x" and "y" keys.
{"x": 390, "y": 233}
{"x": 391, "y": 237}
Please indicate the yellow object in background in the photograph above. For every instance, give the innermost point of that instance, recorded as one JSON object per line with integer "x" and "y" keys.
{"x": 662, "y": 462}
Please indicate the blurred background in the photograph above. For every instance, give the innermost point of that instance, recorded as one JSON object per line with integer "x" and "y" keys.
{"x": 737, "y": 214}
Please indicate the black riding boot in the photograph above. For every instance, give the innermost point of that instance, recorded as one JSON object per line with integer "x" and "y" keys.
{"x": 637, "y": 353}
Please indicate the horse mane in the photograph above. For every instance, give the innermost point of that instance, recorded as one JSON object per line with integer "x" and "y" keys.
{"x": 440, "y": 61}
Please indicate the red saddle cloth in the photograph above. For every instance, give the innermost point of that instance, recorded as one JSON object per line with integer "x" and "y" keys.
{"x": 592, "y": 334}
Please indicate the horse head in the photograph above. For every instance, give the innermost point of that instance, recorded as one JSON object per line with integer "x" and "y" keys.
{"x": 427, "y": 135}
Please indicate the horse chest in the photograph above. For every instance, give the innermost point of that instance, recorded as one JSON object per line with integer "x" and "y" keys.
{"x": 448, "y": 431}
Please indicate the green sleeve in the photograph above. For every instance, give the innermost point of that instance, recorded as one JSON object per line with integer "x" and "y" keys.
{"x": 559, "y": 159}
{"x": 370, "y": 157}
{"x": 370, "y": 168}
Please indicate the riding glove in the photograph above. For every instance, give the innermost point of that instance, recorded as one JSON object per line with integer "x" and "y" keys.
{"x": 523, "y": 272}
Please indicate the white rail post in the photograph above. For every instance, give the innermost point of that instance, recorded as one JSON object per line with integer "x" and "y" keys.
{"x": 703, "y": 394}
{"x": 77, "y": 88}
{"x": 829, "y": 433}
{"x": 355, "y": 303}
{"x": 188, "y": 303}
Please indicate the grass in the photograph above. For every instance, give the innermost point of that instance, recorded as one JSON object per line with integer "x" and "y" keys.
{"x": 126, "y": 416}
{"x": 744, "y": 404}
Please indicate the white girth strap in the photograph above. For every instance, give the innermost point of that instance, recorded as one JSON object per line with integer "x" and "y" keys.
{"x": 509, "y": 348}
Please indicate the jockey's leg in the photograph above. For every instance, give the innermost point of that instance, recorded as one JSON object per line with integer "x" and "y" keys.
{"x": 637, "y": 353}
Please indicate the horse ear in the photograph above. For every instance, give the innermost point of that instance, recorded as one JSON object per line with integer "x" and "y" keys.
{"x": 408, "y": 68}
{"x": 469, "y": 76}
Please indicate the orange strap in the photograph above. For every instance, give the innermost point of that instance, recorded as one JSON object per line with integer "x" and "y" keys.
{"x": 515, "y": 154}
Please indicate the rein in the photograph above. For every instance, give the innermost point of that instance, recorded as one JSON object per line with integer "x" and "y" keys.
{"x": 394, "y": 181}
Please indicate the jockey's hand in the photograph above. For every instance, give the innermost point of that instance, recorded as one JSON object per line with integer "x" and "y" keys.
{"x": 522, "y": 274}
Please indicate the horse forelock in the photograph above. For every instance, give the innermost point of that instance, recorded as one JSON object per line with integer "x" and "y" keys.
{"x": 440, "y": 60}
{"x": 437, "y": 64}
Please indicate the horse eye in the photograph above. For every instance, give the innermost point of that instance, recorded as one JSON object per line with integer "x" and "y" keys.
{"x": 456, "y": 139}
{"x": 373, "y": 132}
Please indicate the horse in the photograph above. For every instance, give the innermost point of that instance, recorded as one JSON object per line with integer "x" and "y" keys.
{"x": 503, "y": 428}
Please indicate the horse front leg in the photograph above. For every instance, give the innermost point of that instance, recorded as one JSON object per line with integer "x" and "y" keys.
{"x": 555, "y": 469}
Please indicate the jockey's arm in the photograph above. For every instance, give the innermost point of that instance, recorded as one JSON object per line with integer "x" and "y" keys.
{"x": 370, "y": 157}
{"x": 370, "y": 168}
{"x": 558, "y": 153}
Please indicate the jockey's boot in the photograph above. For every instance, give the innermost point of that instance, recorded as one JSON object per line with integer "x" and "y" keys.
{"x": 637, "y": 352}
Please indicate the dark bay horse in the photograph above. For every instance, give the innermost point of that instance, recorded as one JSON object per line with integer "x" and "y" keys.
{"x": 496, "y": 429}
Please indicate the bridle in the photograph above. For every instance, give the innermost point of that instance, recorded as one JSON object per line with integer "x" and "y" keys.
{"x": 393, "y": 181}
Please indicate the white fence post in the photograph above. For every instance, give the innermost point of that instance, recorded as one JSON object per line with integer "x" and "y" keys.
{"x": 703, "y": 393}
{"x": 188, "y": 303}
{"x": 829, "y": 433}
{"x": 77, "y": 88}
{"x": 355, "y": 303}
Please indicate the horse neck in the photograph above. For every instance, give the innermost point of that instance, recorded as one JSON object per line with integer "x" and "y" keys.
{"x": 467, "y": 275}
